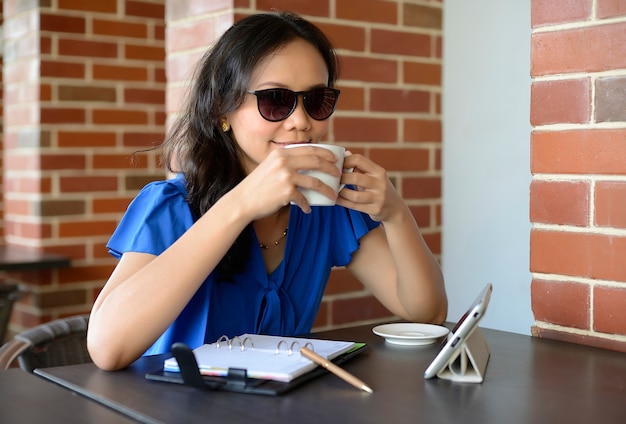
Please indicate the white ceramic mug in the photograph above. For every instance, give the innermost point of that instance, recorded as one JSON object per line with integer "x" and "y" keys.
{"x": 315, "y": 198}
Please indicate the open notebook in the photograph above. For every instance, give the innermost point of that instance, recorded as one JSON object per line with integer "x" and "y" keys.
{"x": 263, "y": 357}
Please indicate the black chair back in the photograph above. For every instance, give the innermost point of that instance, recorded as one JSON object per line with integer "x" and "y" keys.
{"x": 52, "y": 344}
{"x": 8, "y": 294}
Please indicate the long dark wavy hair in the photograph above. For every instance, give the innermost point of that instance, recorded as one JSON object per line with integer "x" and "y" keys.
{"x": 210, "y": 159}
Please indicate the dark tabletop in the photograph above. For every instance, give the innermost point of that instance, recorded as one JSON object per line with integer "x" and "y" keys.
{"x": 527, "y": 380}
{"x": 25, "y": 398}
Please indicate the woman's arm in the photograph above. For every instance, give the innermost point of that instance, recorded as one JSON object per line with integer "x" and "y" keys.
{"x": 146, "y": 293}
{"x": 393, "y": 261}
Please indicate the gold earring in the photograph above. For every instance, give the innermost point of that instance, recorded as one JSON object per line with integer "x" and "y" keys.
{"x": 225, "y": 126}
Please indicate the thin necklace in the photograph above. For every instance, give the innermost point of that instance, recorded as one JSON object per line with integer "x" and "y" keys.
{"x": 277, "y": 242}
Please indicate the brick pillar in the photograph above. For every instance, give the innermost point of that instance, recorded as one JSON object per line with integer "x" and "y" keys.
{"x": 84, "y": 88}
{"x": 578, "y": 152}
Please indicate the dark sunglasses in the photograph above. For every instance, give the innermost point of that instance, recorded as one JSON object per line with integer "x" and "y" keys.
{"x": 276, "y": 104}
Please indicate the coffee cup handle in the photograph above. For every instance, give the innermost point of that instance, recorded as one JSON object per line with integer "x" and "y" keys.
{"x": 341, "y": 186}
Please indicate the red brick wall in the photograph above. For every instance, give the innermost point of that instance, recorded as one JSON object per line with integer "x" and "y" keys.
{"x": 88, "y": 87}
{"x": 389, "y": 107}
{"x": 578, "y": 160}
{"x": 84, "y": 87}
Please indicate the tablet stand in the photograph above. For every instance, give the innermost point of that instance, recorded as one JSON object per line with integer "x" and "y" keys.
{"x": 468, "y": 365}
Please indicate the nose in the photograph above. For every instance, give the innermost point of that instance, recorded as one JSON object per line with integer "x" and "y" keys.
{"x": 299, "y": 118}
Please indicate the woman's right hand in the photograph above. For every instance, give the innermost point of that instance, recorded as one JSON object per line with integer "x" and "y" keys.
{"x": 274, "y": 182}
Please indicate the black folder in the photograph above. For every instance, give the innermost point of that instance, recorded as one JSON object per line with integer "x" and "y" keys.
{"x": 237, "y": 379}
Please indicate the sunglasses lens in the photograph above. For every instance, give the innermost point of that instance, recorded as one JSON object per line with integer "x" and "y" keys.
{"x": 276, "y": 104}
{"x": 320, "y": 103}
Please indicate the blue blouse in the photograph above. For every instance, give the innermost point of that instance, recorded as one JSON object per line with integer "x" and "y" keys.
{"x": 284, "y": 302}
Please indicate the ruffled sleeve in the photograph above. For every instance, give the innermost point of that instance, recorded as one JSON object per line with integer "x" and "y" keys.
{"x": 350, "y": 226}
{"x": 154, "y": 220}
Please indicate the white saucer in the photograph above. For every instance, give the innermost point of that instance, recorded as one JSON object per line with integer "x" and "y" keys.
{"x": 409, "y": 334}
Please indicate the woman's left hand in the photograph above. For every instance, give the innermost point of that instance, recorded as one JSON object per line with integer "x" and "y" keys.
{"x": 393, "y": 260}
{"x": 373, "y": 194}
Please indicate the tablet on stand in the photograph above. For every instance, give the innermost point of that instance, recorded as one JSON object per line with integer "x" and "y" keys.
{"x": 465, "y": 355}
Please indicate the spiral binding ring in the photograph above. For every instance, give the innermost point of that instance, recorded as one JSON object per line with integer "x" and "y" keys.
{"x": 292, "y": 347}
{"x": 280, "y": 343}
{"x": 220, "y": 340}
{"x": 248, "y": 343}
{"x": 230, "y": 342}
{"x": 243, "y": 344}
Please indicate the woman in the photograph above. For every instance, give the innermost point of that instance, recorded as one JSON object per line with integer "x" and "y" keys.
{"x": 231, "y": 245}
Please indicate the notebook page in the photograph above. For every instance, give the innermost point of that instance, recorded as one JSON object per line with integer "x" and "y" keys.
{"x": 260, "y": 357}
